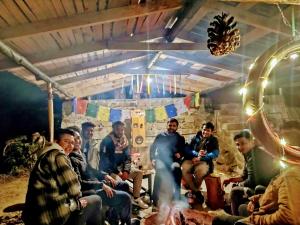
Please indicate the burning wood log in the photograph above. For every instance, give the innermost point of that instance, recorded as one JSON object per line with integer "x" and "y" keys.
{"x": 179, "y": 216}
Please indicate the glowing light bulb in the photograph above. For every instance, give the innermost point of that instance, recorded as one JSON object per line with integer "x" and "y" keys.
{"x": 265, "y": 83}
{"x": 282, "y": 164}
{"x": 282, "y": 142}
{"x": 273, "y": 63}
{"x": 294, "y": 56}
{"x": 149, "y": 80}
{"x": 249, "y": 111}
{"x": 251, "y": 66}
{"x": 243, "y": 91}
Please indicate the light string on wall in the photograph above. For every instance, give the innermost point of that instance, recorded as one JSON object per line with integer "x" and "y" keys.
{"x": 253, "y": 92}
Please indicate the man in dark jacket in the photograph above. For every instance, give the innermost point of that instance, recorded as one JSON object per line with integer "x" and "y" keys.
{"x": 259, "y": 170}
{"x": 119, "y": 200}
{"x": 115, "y": 159}
{"x": 199, "y": 156}
{"x": 166, "y": 154}
{"x": 54, "y": 195}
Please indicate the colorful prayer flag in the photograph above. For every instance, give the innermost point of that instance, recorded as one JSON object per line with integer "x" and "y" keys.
{"x": 160, "y": 113}
{"x": 126, "y": 114}
{"x": 187, "y": 101}
{"x": 171, "y": 110}
{"x": 197, "y": 99}
{"x": 92, "y": 110}
{"x": 180, "y": 106}
{"x": 150, "y": 116}
{"x": 81, "y": 106}
{"x": 67, "y": 107}
{"x": 103, "y": 113}
{"x": 115, "y": 115}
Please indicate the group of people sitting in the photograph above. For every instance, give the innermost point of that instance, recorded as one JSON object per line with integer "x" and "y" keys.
{"x": 69, "y": 186}
{"x": 73, "y": 177}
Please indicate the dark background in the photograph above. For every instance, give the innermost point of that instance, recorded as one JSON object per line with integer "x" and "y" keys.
{"x": 24, "y": 108}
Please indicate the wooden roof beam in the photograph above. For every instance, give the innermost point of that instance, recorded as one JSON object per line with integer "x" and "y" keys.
{"x": 105, "y": 61}
{"x": 138, "y": 63}
{"x": 183, "y": 16}
{"x": 111, "y": 45}
{"x": 269, "y": 24}
{"x": 88, "y": 19}
{"x": 85, "y": 48}
{"x": 169, "y": 64}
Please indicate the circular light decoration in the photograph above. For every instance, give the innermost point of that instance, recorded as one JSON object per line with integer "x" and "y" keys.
{"x": 253, "y": 100}
{"x": 223, "y": 36}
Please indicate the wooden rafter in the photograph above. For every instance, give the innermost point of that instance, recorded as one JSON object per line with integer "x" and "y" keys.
{"x": 54, "y": 54}
{"x": 87, "y": 19}
{"x": 252, "y": 19}
{"x": 168, "y": 63}
{"x": 112, "y": 45}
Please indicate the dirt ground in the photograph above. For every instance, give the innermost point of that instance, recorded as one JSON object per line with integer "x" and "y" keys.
{"x": 12, "y": 191}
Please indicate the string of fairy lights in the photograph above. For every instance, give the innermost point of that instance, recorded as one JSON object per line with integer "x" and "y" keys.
{"x": 253, "y": 90}
{"x": 259, "y": 71}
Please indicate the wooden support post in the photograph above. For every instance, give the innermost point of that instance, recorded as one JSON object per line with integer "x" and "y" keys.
{"x": 50, "y": 113}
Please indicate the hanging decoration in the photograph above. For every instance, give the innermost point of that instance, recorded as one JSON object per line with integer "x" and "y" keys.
{"x": 115, "y": 115}
{"x": 148, "y": 85}
{"x": 142, "y": 83}
{"x": 122, "y": 89}
{"x": 197, "y": 99}
{"x": 92, "y": 110}
{"x": 131, "y": 86}
{"x": 126, "y": 115}
{"x": 68, "y": 107}
{"x": 163, "y": 87}
{"x": 170, "y": 85}
{"x": 150, "y": 116}
{"x": 171, "y": 110}
{"x": 137, "y": 84}
{"x": 81, "y": 106}
{"x": 180, "y": 106}
{"x": 107, "y": 114}
{"x": 223, "y": 37}
{"x": 175, "y": 85}
{"x": 180, "y": 84}
{"x": 103, "y": 113}
{"x": 160, "y": 113}
{"x": 187, "y": 101}
{"x": 157, "y": 85}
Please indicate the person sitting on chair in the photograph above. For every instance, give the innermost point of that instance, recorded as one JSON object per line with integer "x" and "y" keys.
{"x": 199, "y": 156}
{"x": 54, "y": 194}
{"x": 258, "y": 171}
{"x": 115, "y": 160}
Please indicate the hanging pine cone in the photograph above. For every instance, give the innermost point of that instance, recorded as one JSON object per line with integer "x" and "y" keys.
{"x": 223, "y": 38}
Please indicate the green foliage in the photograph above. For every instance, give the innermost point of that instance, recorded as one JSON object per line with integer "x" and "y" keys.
{"x": 19, "y": 154}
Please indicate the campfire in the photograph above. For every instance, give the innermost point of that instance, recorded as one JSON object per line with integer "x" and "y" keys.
{"x": 177, "y": 215}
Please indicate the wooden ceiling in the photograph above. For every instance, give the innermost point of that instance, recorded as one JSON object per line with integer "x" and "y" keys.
{"x": 94, "y": 46}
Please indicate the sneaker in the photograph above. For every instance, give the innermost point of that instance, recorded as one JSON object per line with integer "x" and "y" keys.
{"x": 199, "y": 197}
{"x": 146, "y": 199}
{"x": 135, "y": 221}
{"x": 140, "y": 203}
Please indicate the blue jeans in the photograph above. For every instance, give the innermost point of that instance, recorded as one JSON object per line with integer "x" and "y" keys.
{"x": 90, "y": 215}
{"x": 120, "y": 202}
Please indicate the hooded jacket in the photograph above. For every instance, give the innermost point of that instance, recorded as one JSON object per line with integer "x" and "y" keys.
{"x": 52, "y": 186}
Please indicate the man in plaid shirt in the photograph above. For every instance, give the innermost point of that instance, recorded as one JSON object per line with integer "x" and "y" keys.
{"x": 54, "y": 195}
